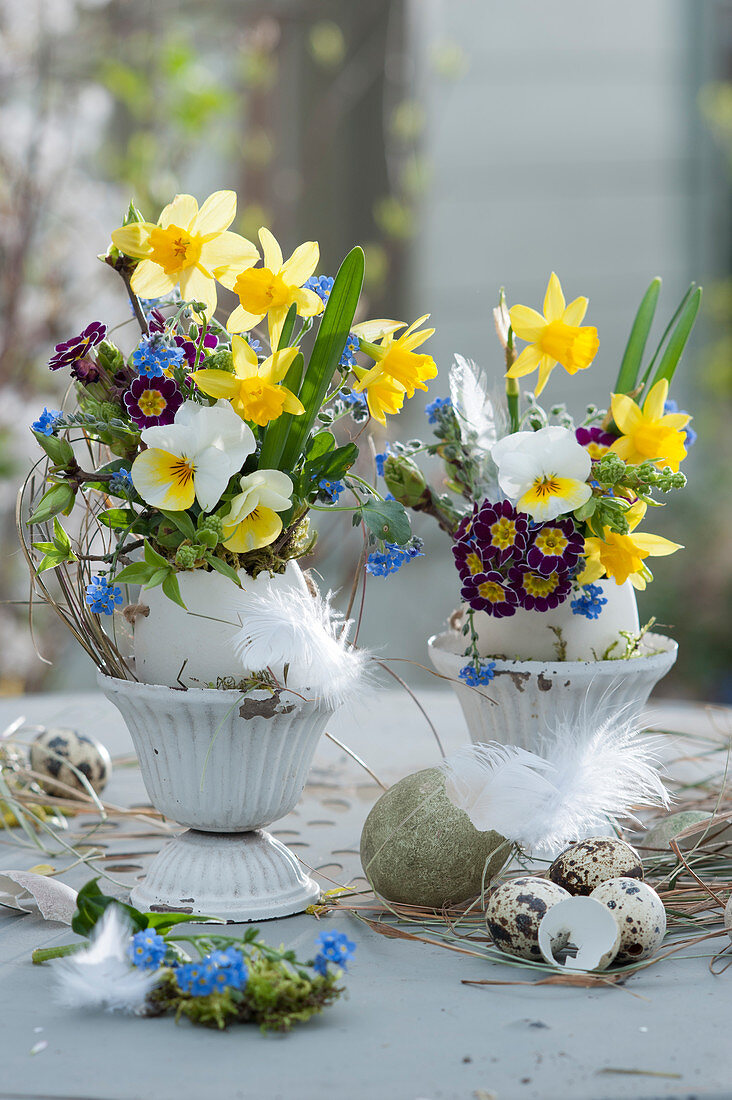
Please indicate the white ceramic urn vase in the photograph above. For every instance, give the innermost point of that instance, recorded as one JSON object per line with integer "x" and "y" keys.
{"x": 224, "y": 763}
{"x": 531, "y": 689}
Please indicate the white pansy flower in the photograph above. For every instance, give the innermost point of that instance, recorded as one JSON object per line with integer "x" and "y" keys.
{"x": 543, "y": 473}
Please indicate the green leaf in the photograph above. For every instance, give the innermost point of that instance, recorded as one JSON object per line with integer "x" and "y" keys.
{"x": 117, "y": 518}
{"x": 277, "y": 430}
{"x": 679, "y": 310}
{"x": 54, "y": 558}
{"x": 585, "y": 510}
{"x": 183, "y": 522}
{"x": 153, "y": 558}
{"x": 329, "y": 344}
{"x": 59, "y": 498}
{"x": 157, "y": 576}
{"x": 331, "y": 466}
{"x": 222, "y": 568}
{"x": 633, "y": 355}
{"x": 171, "y": 588}
{"x": 60, "y": 538}
{"x": 286, "y": 334}
{"x": 387, "y": 520}
{"x": 91, "y": 904}
{"x": 137, "y": 573}
{"x": 320, "y": 445}
{"x": 163, "y": 922}
{"x": 678, "y": 339}
{"x": 59, "y": 450}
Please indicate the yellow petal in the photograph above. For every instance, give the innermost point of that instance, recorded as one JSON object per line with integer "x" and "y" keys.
{"x": 638, "y": 581}
{"x": 276, "y": 367}
{"x": 374, "y": 330}
{"x": 635, "y": 514}
{"x": 133, "y": 240}
{"x": 309, "y": 304}
{"x": 554, "y": 304}
{"x": 527, "y": 361}
{"x": 676, "y": 420}
{"x": 270, "y": 249}
{"x": 412, "y": 340}
{"x": 626, "y": 413}
{"x": 216, "y": 383}
{"x": 301, "y": 264}
{"x": 227, "y": 255}
{"x": 181, "y": 212}
{"x": 653, "y": 406}
{"x": 575, "y": 311}
{"x": 655, "y": 545}
{"x": 163, "y": 480}
{"x": 292, "y": 404}
{"x": 241, "y": 321}
{"x": 526, "y": 323}
{"x": 245, "y": 359}
{"x": 259, "y": 528}
{"x": 546, "y": 366}
{"x": 275, "y": 323}
{"x": 150, "y": 281}
{"x": 197, "y": 287}
{"x": 216, "y": 214}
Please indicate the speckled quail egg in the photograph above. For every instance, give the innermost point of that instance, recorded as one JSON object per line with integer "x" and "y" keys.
{"x": 515, "y": 910}
{"x": 579, "y": 933}
{"x": 417, "y": 848}
{"x": 588, "y": 863}
{"x": 639, "y": 913}
{"x": 54, "y": 749}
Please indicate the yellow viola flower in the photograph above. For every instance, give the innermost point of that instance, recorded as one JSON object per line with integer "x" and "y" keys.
{"x": 254, "y": 389}
{"x": 395, "y": 357}
{"x": 622, "y": 556}
{"x": 648, "y": 435}
{"x": 252, "y": 520}
{"x": 188, "y": 247}
{"x": 270, "y": 290}
{"x": 555, "y": 337}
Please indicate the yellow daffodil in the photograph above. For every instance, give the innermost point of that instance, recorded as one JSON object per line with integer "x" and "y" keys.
{"x": 383, "y": 396}
{"x": 188, "y": 246}
{"x": 192, "y": 458}
{"x": 555, "y": 337}
{"x": 396, "y": 359}
{"x": 252, "y": 520}
{"x": 254, "y": 389}
{"x": 270, "y": 290}
{"x": 622, "y": 556}
{"x": 648, "y": 435}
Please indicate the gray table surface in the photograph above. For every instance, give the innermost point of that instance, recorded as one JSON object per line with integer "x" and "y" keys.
{"x": 408, "y": 1029}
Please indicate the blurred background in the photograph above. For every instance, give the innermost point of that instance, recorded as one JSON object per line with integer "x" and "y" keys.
{"x": 467, "y": 145}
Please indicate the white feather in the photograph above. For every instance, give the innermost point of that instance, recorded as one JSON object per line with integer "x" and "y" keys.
{"x": 477, "y": 417}
{"x": 591, "y": 770}
{"x": 101, "y": 975}
{"x": 303, "y": 640}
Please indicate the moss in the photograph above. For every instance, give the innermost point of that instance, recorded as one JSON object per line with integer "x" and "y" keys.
{"x": 417, "y": 848}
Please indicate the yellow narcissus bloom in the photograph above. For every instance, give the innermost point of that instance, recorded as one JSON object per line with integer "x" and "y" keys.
{"x": 396, "y": 359}
{"x": 254, "y": 389}
{"x": 270, "y": 290}
{"x": 648, "y": 435}
{"x": 622, "y": 556}
{"x": 252, "y": 520}
{"x": 383, "y": 396}
{"x": 555, "y": 337}
{"x": 188, "y": 246}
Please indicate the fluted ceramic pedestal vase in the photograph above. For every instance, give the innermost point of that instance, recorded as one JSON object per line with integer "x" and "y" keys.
{"x": 224, "y": 765}
{"x": 531, "y": 691}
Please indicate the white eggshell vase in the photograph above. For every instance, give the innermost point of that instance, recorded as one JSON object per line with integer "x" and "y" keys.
{"x": 531, "y": 690}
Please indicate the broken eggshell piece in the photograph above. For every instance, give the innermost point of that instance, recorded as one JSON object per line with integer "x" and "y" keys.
{"x": 584, "y": 928}
{"x": 514, "y": 911}
{"x": 639, "y": 914}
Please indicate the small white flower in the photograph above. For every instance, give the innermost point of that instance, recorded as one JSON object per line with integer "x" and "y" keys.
{"x": 100, "y": 976}
{"x": 252, "y": 520}
{"x": 543, "y": 473}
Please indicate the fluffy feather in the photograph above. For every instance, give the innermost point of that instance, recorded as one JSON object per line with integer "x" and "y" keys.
{"x": 101, "y": 976}
{"x": 477, "y": 416}
{"x": 591, "y": 769}
{"x": 304, "y": 641}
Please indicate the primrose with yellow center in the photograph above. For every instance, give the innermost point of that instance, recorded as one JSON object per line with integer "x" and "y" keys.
{"x": 188, "y": 247}
{"x": 556, "y": 336}
{"x": 254, "y": 390}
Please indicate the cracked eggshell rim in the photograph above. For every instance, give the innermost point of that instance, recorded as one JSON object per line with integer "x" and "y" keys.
{"x": 586, "y": 923}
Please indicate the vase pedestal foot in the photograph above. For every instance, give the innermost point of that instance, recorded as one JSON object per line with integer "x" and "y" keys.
{"x": 237, "y": 877}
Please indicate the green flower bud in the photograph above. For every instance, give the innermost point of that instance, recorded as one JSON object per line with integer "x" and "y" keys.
{"x": 109, "y": 357}
{"x": 405, "y": 480}
{"x": 220, "y": 360}
{"x": 187, "y": 556}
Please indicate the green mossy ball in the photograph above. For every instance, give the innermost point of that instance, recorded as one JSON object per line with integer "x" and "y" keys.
{"x": 417, "y": 848}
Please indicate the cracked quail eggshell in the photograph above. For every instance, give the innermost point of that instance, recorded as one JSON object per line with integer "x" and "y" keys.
{"x": 515, "y": 910}
{"x": 585, "y": 925}
{"x": 417, "y": 848}
{"x": 639, "y": 913}
{"x": 584, "y": 866}
{"x": 56, "y": 748}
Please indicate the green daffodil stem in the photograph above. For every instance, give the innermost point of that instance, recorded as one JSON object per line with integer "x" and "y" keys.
{"x": 43, "y": 954}
{"x": 134, "y": 300}
{"x": 512, "y": 386}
